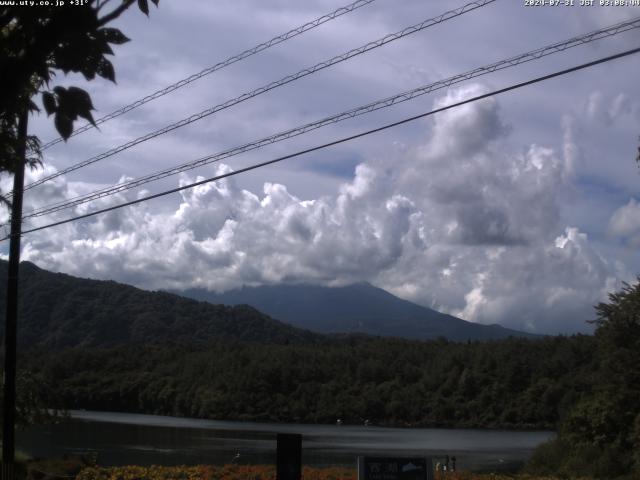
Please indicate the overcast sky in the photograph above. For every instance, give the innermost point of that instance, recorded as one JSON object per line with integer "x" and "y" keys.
{"x": 522, "y": 209}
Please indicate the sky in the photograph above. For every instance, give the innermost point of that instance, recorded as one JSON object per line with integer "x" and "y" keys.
{"x": 522, "y": 209}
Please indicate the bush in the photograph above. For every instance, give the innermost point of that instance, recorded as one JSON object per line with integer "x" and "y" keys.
{"x": 547, "y": 459}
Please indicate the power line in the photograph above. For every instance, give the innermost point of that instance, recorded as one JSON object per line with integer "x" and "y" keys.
{"x": 218, "y": 66}
{"x": 283, "y": 81}
{"x": 380, "y": 104}
{"x": 336, "y": 142}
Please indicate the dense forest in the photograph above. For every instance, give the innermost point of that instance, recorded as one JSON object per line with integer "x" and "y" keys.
{"x": 511, "y": 383}
{"x": 59, "y": 311}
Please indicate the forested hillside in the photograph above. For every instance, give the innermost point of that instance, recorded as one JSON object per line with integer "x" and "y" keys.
{"x": 510, "y": 383}
{"x": 58, "y": 311}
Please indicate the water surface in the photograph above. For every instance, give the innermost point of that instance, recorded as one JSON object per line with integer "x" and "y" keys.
{"x": 122, "y": 438}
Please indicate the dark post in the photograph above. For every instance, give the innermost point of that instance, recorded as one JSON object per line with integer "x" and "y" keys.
{"x": 10, "y": 332}
{"x": 289, "y": 456}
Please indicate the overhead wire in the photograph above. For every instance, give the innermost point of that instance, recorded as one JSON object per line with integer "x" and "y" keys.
{"x": 270, "y": 86}
{"x": 335, "y": 142}
{"x": 218, "y": 66}
{"x": 377, "y": 105}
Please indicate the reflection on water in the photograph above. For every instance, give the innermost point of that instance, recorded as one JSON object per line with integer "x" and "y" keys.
{"x": 122, "y": 439}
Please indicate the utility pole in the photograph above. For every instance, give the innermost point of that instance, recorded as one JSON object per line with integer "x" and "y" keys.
{"x": 10, "y": 332}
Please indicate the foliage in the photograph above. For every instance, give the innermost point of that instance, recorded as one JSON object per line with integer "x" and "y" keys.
{"x": 493, "y": 476}
{"x": 33, "y": 396}
{"x": 56, "y": 468}
{"x": 260, "y": 472}
{"x": 209, "y": 472}
{"x": 548, "y": 457}
{"x": 514, "y": 383}
{"x": 59, "y": 311}
{"x": 37, "y": 41}
{"x": 600, "y": 436}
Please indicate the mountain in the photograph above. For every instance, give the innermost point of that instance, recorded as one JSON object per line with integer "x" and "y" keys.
{"x": 58, "y": 311}
{"x": 359, "y": 307}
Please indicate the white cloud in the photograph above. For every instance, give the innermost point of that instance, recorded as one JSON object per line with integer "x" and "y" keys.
{"x": 608, "y": 112}
{"x": 625, "y": 223}
{"x": 464, "y": 223}
{"x": 572, "y": 153}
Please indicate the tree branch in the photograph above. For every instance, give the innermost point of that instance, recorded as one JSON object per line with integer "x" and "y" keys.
{"x": 102, "y": 4}
{"x": 115, "y": 13}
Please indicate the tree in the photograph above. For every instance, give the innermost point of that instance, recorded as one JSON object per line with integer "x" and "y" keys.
{"x": 36, "y": 400}
{"x": 38, "y": 41}
{"x": 600, "y": 436}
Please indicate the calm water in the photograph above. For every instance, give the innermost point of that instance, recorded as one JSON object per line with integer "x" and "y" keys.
{"x": 122, "y": 439}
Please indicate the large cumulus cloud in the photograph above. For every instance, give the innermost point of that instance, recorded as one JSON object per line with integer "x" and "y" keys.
{"x": 467, "y": 223}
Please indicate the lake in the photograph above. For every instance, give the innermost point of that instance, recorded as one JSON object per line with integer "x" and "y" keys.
{"x": 121, "y": 439}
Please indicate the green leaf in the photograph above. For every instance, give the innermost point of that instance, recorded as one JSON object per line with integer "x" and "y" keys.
{"x": 113, "y": 35}
{"x": 144, "y": 7}
{"x": 49, "y": 102}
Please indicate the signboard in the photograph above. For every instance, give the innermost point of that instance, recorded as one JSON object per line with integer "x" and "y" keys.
{"x": 394, "y": 468}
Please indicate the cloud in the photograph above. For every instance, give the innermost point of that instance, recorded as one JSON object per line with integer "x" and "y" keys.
{"x": 625, "y": 223}
{"x": 483, "y": 194}
{"x": 464, "y": 223}
{"x": 608, "y": 112}
{"x": 574, "y": 162}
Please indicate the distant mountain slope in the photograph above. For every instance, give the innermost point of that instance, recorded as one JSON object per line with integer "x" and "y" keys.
{"x": 58, "y": 311}
{"x": 354, "y": 308}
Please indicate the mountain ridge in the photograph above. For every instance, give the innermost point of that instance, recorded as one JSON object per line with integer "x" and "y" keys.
{"x": 359, "y": 307}
{"x": 65, "y": 311}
